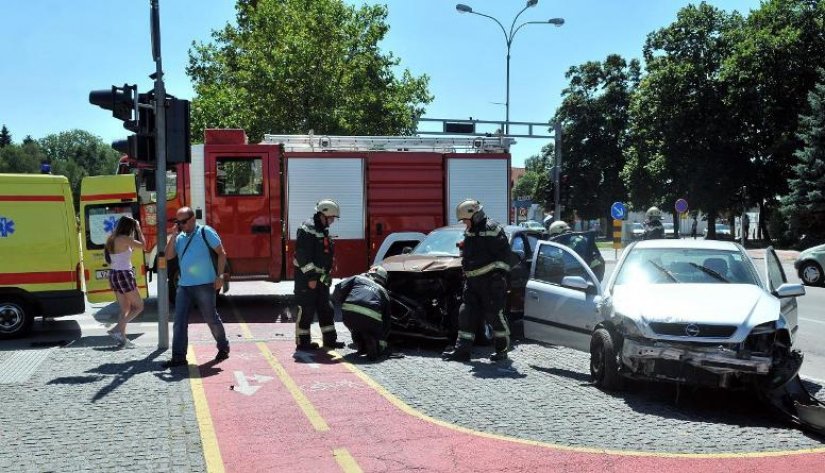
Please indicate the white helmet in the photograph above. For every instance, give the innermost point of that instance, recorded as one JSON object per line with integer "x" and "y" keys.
{"x": 467, "y": 208}
{"x": 653, "y": 212}
{"x": 379, "y": 275}
{"x": 558, "y": 227}
{"x": 328, "y": 207}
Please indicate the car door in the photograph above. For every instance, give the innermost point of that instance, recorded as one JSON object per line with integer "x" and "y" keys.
{"x": 776, "y": 277}
{"x": 554, "y": 310}
{"x": 584, "y": 244}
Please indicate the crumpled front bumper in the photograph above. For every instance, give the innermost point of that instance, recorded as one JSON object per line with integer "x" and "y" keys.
{"x": 648, "y": 357}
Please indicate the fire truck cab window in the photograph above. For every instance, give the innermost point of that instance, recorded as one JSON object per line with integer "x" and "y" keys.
{"x": 150, "y": 196}
{"x": 239, "y": 176}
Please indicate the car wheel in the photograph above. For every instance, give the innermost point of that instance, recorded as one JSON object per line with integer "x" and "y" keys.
{"x": 16, "y": 318}
{"x": 811, "y": 273}
{"x": 604, "y": 368}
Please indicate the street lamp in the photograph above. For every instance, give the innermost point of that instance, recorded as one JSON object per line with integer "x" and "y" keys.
{"x": 508, "y": 38}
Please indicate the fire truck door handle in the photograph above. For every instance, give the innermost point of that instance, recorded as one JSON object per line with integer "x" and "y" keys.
{"x": 261, "y": 229}
{"x": 379, "y": 229}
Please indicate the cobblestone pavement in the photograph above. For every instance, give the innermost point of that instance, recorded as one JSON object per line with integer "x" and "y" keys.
{"x": 91, "y": 407}
{"x": 545, "y": 394}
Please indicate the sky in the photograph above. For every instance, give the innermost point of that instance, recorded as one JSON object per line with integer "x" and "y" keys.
{"x": 53, "y": 52}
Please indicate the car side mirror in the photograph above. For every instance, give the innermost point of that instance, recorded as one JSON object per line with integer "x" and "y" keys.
{"x": 790, "y": 290}
{"x": 406, "y": 250}
{"x": 575, "y": 282}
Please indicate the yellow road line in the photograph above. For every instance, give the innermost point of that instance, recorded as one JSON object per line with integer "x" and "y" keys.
{"x": 303, "y": 402}
{"x": 404, "y": 407}
{"x": 345, "y": 461}
{"x": 211, "y": 451}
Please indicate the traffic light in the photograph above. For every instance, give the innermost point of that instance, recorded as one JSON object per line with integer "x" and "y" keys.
{"x": 549, "y": 194}
{"x": 138, "y": 114}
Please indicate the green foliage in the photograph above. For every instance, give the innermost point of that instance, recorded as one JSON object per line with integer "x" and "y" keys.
{"x": 5, "y": 137}
{"x": 291, "y": 66}
{"x": 684, "y": 139}
{"x": 21, "y": 159}
{"x": 77, "y": 154}
{"x": 594, "y": 114}
{"x": 805, "y": 205}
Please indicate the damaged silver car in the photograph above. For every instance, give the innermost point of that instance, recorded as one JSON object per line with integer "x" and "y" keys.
{"x": 685, "y": 311}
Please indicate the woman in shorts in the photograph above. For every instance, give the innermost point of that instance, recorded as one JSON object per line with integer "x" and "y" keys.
{"x": 118, "y": 249}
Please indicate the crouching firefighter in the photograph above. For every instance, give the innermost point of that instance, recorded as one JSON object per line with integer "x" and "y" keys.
{"x": 314, "y": 252}
{"x": 365, "y": 306}
{"x": 486, "y": 258}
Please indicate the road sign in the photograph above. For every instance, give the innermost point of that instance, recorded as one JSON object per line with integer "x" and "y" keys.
{"x": 617, "y": 232}
{"x": 522, "y": 213}
{"x": 618, "y": 211}
{"x": 681, "y": 206}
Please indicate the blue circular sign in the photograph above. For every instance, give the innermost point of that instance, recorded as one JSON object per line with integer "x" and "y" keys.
{"x": 618, "y": 211}
{"x": 681, "y": 206}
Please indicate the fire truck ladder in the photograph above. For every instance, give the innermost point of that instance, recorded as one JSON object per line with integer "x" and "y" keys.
{"x": 468, "y": 144}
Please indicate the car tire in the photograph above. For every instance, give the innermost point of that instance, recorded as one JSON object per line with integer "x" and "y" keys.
{"x": 604, "y": 368}
{"x": 811, "y": 273}
{"x": 16, "y": 317}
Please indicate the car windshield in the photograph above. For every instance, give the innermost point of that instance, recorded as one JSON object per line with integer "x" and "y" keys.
{"x": 638, "y": 226}
{"x": 440, "y": 242}
{"x": 721, "y": 227}
{"x": 686, "y": 265}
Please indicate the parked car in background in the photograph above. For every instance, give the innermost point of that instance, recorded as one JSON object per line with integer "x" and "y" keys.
{"x": 809, "y": 266}
{"x": 426, "y": 284}
{"x": 532, "y": 225}
{"x": 637, "y": 231}
{"x": 722, "y": 232}
{"x": 686, "y": 311}
{"x": 670, "y": 230}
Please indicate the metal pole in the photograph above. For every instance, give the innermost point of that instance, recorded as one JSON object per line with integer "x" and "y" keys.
{"x": 742, "y": 218}
{"x": 557, "y": 167}
{"x": 507, "y": 102}
{"x": 160, "y": 181}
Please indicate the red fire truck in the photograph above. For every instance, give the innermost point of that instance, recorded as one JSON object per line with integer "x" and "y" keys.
{"x": 257, "y": 195}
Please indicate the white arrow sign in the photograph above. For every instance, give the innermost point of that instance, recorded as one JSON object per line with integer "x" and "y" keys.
{"x": 243, "y": 385}
{"x": 307, "y": 358}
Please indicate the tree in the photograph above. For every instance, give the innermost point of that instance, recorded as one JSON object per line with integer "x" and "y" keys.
{"x": 772, "y": 68}
{"x": 77, "y": 154}
{"x": 292, "y": 66}
{"x": 594, "y": 114}
{"x": 5, "y": 137}
{"x": 684, "y": 138}
{"x": 21, "y": 159}
{"x": 805, "y": 205}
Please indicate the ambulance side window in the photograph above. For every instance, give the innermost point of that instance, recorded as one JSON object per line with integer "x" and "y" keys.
{"x": 239, "y": 176}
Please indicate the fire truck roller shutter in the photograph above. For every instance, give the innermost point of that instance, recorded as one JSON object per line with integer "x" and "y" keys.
{"x": 486, "y": 180}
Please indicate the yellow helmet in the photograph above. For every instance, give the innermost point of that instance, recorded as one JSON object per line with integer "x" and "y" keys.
{"x": 653, "y": 212}
{"x": 558, "y": 227}
{"x": 328, "y": 207}
{"x": 467, "y": 208}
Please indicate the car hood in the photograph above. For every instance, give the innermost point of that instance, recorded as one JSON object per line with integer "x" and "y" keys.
{"x": 744, "y": 305}
{"x": 420, "y": 263}
{"x": 811, "y": 251}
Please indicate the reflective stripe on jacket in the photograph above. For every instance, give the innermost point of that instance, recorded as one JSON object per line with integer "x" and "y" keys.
{"x": 314, "y": 249}
{"x": 485, "y": 249}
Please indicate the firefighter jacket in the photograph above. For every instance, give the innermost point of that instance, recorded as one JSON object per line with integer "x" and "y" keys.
{"x": 485, "y": 248}
{"x": 314, "y": 250}
{"x": 653, "y": 230}
{"x": 362, "y": 295}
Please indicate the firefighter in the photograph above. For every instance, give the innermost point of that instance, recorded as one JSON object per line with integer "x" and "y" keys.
{"x": 578, "y": 243}
{"x": 486, "y": 258}
{"x": 314, "y": 252}
{"x": 653, "y": 224}
{"x": 365, "y": 306}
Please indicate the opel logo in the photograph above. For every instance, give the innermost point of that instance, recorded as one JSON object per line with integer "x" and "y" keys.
{"x": 692, "y": 330}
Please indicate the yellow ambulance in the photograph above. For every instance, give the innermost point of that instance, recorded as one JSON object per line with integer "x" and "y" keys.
{"x": 41, "y": 245}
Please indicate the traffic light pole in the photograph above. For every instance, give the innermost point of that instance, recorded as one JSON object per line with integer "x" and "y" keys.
{"x": 557, "y": 171}
{"x": 160, "y": 180}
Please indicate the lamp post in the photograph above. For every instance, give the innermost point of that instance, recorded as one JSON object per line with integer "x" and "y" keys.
{"x": 508, "y": 38}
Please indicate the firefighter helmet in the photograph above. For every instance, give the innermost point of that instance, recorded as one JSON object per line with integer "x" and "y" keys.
{"x": 558, "y": 227}
{"x": 653, "y": 212}
{"x": 328, "y": 207}
{"x": 467, "y": 208}
{"x": 378, "y": 274}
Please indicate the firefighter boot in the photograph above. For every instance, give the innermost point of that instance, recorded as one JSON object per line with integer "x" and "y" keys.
{"x": 460, "y": 352}
{"x": 305, "y": 343}
{"x": 499, "y": 356}
{"x": 502, "y": 345}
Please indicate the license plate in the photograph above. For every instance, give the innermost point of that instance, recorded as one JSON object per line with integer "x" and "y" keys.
{"x": 102, "y": 274}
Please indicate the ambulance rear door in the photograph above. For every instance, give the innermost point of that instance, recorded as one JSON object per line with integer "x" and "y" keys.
{"x": 103, "y": 200}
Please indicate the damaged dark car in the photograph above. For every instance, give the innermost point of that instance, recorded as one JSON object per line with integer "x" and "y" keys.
{"x": 426, "y": 284}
